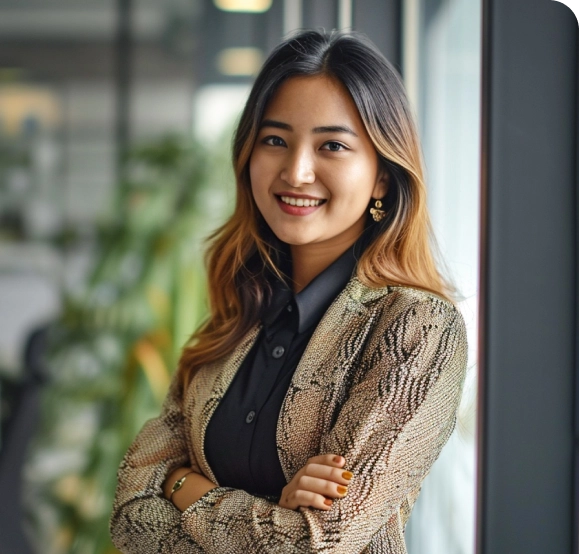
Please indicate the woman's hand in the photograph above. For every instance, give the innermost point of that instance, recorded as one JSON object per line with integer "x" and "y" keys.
{"x": 317, "y": 483}
{"x": 194, "y": 487}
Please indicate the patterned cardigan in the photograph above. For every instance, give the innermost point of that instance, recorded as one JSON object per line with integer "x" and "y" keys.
{"x": 379, "y": 383}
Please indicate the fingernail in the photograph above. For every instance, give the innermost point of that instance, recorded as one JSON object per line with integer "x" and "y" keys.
{"x": 328, "y": 502}
{"x": 342, "y": 490}
{"x": 337, "y": 459}
{"x": 347, "y": 475}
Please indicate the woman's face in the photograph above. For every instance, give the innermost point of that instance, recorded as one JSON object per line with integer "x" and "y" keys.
{"x": 313, "y": 167}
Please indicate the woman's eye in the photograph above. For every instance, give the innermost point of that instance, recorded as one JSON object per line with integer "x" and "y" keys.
{"x": 334, "y": 146}
{"x": 274, "y": 141}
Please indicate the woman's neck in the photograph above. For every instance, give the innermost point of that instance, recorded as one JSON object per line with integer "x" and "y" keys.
{"x": 309, "y": 260}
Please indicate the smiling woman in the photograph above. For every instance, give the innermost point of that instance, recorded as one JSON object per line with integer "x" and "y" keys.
{"x": 308, "y": 409}
{"x": 313, "y": 178}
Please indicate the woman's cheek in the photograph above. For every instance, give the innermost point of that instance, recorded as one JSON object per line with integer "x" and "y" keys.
{"x": 256, "y": 179}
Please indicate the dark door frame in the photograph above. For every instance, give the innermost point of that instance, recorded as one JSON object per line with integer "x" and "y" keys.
{"x": 529, "y": 301}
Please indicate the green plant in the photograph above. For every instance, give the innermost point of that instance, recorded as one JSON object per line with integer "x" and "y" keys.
{"x": 116, "y": 345}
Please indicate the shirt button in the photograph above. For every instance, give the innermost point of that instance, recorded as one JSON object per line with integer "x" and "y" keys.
{"x": 249, "y": 417}
{"x": 278, "y": 352}
{"x": 290, "y": 308}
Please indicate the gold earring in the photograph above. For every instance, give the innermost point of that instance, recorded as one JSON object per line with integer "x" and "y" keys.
{"x": 377, "y": 213}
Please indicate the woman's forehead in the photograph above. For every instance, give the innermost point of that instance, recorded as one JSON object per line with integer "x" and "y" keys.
{"x": 313, "y": 101}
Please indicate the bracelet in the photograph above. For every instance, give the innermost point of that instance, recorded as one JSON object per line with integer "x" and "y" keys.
{"x": 178, "y": 484}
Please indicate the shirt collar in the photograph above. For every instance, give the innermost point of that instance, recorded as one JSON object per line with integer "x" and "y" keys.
{"x": 313, "y": 301}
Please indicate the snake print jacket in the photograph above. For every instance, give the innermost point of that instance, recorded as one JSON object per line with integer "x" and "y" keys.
{"x": 379, "y": 383}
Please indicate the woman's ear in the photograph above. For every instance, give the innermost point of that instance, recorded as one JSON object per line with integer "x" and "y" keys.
{"x": 381, "y": 186}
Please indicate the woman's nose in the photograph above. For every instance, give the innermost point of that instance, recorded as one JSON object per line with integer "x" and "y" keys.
{"x": 298, "y": 169}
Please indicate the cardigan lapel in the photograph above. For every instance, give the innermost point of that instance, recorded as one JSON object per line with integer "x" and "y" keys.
{"x": 206, "y": 391}
{"x": 320, "y": 380}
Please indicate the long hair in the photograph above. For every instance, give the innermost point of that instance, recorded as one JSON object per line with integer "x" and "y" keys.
{"x": 243, "y": 253}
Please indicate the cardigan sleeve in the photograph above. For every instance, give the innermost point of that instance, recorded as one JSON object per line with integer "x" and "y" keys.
{"x": 399, "y": 413}
{"x": 142, "y": 520}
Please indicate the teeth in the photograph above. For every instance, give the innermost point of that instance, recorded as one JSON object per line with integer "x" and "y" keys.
{"x": 305, "y": 202}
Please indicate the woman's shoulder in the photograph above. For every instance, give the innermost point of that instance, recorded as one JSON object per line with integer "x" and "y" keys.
{"x": 400, "y": 294}
{"x": 415, "y": 295}
{"x": 394, "y": 301}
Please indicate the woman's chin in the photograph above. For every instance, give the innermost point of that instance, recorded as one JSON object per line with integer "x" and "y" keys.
{"x": 294, "y": 238}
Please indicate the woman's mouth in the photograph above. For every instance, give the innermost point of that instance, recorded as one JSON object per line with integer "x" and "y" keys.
{"x": 299, "y": 206}
{"x": 306, "y": 202}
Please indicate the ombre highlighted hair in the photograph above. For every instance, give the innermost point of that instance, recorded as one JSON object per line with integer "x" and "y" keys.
{"x": 243, "y": 253}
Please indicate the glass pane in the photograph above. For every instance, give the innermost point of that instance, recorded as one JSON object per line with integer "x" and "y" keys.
{"x": 442, "y": 73}
{"x": 188, "y": 65}
{"x": 61, "y": 103}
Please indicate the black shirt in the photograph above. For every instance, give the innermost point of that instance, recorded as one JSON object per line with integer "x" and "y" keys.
{"x": 240, "y": 440}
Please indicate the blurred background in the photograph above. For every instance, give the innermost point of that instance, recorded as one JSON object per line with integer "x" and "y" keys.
{"x": 115, "y": 133}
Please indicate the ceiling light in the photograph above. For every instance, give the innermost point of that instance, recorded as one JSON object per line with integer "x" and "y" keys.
{"x": 239, "y": 61}
{"x": 252, "y": 6}
{"x": 20, "y": 103}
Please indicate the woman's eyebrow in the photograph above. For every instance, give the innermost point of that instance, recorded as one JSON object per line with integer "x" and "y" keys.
{"x": 334, "y": 129}
{"x": 316, "y": 130}
{"x": 276, "y": 124}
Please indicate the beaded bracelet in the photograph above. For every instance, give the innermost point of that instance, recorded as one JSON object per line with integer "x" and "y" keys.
{"x": 178, "y": 484}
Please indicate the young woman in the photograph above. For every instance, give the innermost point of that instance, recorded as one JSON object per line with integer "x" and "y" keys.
{"x": 308, "y": 409}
